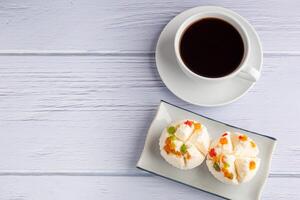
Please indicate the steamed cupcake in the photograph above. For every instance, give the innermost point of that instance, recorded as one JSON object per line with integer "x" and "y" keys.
{"x": 232, "y": 158}
{"x": 184, "y": 144}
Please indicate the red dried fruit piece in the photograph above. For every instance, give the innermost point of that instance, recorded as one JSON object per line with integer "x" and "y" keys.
{"x": 189, "y": 123}
{"x": 225, "y": 134}
{"x": 212, "y": 153}
{"x": 243, "y": 137}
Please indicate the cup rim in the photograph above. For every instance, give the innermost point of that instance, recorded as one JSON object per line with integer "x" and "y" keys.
{"x": 211, "y": 14}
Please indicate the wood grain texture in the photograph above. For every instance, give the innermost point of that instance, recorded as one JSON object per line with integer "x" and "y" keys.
{"x": 79, "y": 88}
{"x": 118, "y": 26}
{"x": 148, "y": 188}
{"x": 62, "y": 113}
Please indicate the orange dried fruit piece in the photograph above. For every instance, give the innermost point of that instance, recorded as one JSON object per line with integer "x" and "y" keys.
{"x": 229, "y": 175}
{"x": 170, "y": 146}
{"x": 197, "y": 126}
{"x": 188, "y": 156}
{"x": 167, "y": 149}
{"x": 177, "y": 153}
{"x": 252, "y": 165}
{"x": 223, "y": 141}
{"x": 253, "y": 145}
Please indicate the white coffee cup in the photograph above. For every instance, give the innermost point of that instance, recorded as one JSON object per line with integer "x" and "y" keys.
{"x": 243, "y": 71}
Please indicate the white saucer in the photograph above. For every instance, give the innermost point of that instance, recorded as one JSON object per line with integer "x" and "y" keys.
{"x": 202, "y": 93}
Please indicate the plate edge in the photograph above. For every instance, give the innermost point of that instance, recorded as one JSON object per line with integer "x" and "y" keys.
{"x": 269, "y": 137}
{"x": 269, "y": 167}
{"x": 165, "y": 177}
{"x": 154, "y": 118}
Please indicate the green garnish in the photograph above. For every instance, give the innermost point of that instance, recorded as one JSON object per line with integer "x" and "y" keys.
{"x": 217, "y": 167}
{"x": 172, "y": 137}
{"x": 183, "y": 149}
{"x": 171, "y": 130}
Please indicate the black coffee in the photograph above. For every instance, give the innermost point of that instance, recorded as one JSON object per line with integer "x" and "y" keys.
{"x": 212, "y": 48}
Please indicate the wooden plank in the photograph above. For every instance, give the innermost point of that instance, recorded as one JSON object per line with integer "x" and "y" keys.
{"x": 60, "y": 113}
{"x": 118, "y": 26}
{"x": 88, "y": 188}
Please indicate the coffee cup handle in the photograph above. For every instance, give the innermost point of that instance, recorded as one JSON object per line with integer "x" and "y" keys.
{"x": 250, "y": 74}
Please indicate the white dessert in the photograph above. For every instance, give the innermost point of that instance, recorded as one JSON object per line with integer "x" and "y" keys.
{"x": 243, "y": 145}
{"x": 201, "y": 139}
{"x": 184, "y": 144}
{"x": 184, "y": 131}
{"x": 197, "y": 157}
{"x": 224, "y": 170}
{"x": 232, "y": 158}
{"x": 246, "y": 168}
{"x": 226, "y": 147}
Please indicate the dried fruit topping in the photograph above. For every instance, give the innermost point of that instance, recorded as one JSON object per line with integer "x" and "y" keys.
{"x": 197, "y": 126}
{"x": 226, "y": 165}
{"x": 223, "y": 141}
{"x": 212, "y": 153}
{"x": 224, "y": 170}
{"x": 217, "y": 167}
{"x": 252, "y": 165}
{"x": 183, "y": 149}
{"x": 225, "y": 134}
{"x": 227, "y": 174}
{"x": 243, "y": 137}
{"x": 223, "y": 158}
{"x": 188, "y": 156}
{"x": 171, "y": 130}
{"x": 172, "y": 137}
{"x": 170, "y": 147}
{"x": 178, "y": 154}
{"x": 189, "y": 123}
{"x": 253, "y": 145}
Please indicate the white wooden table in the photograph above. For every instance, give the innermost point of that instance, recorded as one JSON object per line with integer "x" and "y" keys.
{"x": 79, "y": 88}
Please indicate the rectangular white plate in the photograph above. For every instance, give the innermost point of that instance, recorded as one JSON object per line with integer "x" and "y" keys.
{"x": 199, "y": 177}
